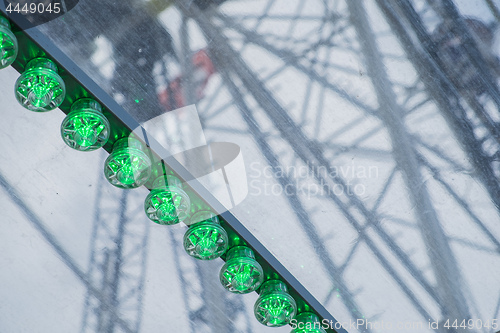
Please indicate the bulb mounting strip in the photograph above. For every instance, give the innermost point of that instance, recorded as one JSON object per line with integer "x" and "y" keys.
{"x": 33, "y": 43}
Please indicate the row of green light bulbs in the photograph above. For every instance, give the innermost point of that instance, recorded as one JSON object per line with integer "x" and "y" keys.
{"x": 85, "y": 128}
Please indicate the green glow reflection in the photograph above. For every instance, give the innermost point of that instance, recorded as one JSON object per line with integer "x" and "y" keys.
{"x": 8, "y": 44}
{"x": 40, "y": 88}
{"x": 274, "y": 307}
{"x": 205, "y": 240}
{"x": 127, "y": 167}
{"x": 241, "y": 273}
{"x": 85, "y": 128}
{"x": 167, "y": 205}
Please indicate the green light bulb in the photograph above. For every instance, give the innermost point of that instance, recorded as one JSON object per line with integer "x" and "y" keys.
{"x": 205, "y": 240}
{"x": 127, "y": 166}
{"x": 308, "y": 322}
{"x": 85, "y": 128}
{"x": 8, "y": 44}
{"x": 167, "y": 203}
{"x": 241, "y": 273}
{"x": 40, "y": 88}
{"x": 274, "y": 307}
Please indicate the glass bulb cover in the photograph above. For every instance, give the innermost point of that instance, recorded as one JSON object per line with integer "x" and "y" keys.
{"x": 85, "y": 128}
{"x": 241, "y": 274}
{"x": 308, "y": 322}
{"x": 167, "y": 205}
{"x": 274, "y": 307}
{"x": 40, "y": 88}
{"x": 8, "y": 45}
{"x": 205, "y": 240}
{"x": 127, "y": 167}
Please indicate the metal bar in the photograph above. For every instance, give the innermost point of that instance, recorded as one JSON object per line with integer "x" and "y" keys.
{"x": 293, "y": 199}
{"x": 494, "y": 9}
{"x": 497, "y": 309}
{"x": 446, "y": 270}
{"x": 116, "y": 245}
{"x": 307, "y": 150}
{"x": 97, "y": 212}
{"x": 128, "y": 123}
{"x": 185, "y": 287}
{"x": 439, "y": 153}
{"x": 117, "y": 258}
{"x": 294, "y": 61}
{"x": 66, "y": 258}
{"x": 197, "y": 322}
{"x": 436, "y": 81}
{"x": 186, "y": 63}
{"x": 449, "y": 12}
{"x": 465, "y": 206}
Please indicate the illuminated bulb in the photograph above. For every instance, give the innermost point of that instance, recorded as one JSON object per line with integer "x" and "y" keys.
{"x": 308, "y": 322}
{"x": 85, "y": 128}
{"x": 167, "y": 203}
{"x": 274, "y": 307}
{"x": 241, "y": 273}
{"x": 127, "y": 166}
{"x": 205, "y": 240}
{"x": 40, "y": 88}
{"x": 8, "y": 44}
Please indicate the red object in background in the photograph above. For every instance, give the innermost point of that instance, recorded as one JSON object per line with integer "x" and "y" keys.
{"x": 173, "y": 97}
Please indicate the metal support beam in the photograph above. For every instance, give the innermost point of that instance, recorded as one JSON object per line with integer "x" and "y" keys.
{"x": 65, "y": 257}
{"x": 446, "y": 270}
{"x": 439, "y": 87}
{"x": 310, "y": 153}
{"x": 119, "y": 244}
{"x": 293, "y": 199}
{"x": 123, "y": 124}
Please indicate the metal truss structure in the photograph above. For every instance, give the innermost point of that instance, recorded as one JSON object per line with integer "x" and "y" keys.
{"x": 328, "y": 48}
{"x": 117, "y": 262}
{"x": 399, "y": 110}
{"x": 198, "y": 292}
